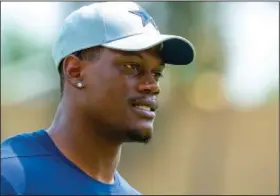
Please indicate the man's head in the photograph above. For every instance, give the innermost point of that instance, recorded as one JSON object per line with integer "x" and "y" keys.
{"x": 111, "y": 56}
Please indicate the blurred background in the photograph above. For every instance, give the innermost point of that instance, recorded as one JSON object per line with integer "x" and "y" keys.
{"x": 217, "y": 129}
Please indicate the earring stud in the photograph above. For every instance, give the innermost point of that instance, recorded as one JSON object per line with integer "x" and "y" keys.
{"x": 80, "y": 85}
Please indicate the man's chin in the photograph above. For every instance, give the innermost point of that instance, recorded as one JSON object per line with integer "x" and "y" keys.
{"x": 139, "y": 135}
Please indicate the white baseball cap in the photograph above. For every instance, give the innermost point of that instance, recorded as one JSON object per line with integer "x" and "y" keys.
{"x": 122, "y": 26}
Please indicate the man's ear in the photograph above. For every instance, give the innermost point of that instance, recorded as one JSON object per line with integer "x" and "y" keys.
{"x": 72, "y": 68}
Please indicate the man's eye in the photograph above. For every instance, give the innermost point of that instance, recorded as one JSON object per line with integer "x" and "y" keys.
{"x": 131, "y": 68}
{"x": 157, "y": 75}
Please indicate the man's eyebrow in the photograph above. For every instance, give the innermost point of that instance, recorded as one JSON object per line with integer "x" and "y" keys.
{"x": 161, "y": 66}
{"x": 131, "y": 54}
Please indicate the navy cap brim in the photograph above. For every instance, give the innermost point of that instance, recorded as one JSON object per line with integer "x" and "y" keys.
{"x": 176, "y": 50}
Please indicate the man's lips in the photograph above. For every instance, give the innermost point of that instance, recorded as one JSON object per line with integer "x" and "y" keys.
{"x": 145, "y": 104}
{"x": 145, "y": 107}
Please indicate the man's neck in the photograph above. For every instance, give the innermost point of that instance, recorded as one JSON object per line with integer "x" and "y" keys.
{"x": 77, "y": 140}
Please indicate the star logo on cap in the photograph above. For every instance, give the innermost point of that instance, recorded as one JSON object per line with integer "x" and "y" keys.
{"x": 145, "y": 17}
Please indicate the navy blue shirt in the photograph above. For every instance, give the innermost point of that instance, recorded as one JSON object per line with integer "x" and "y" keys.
{"x": 32, "y": 164}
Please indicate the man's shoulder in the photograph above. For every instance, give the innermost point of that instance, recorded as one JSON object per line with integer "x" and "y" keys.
{"x": 6, "y": 187}
{"x": 22, "y": 145}
{"x": 19, "y": 151}
{"x": 17, "y": 159}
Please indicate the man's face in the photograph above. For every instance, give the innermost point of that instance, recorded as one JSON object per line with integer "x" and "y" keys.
{"x": 120, "y": 93}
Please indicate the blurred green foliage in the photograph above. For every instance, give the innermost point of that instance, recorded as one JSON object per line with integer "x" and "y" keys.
{"x": 17, "y": 45}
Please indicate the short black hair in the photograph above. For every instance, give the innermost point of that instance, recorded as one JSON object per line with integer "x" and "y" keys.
{"x": 88, "y": 54}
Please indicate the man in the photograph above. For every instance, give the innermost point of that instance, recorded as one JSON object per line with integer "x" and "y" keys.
{"x": 110, "y": 57}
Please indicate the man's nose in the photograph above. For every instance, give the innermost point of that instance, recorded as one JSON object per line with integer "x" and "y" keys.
{"x": 149, "y": 86}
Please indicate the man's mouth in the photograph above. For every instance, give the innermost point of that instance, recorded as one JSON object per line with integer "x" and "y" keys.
{"x": 145, "y": 108}
{"x": 145, "y": 104}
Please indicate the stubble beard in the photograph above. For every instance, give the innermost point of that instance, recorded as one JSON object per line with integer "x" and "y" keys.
{"x": 138, "y": 136}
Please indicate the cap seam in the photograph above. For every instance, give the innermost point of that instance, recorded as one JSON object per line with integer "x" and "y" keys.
{"x": 105, "y": 29}
{"x": 121, "y": 37}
